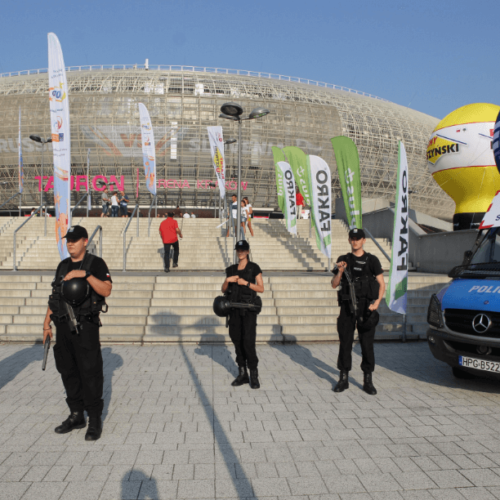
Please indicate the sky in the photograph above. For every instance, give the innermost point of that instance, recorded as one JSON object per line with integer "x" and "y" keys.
{"x": 430, "y": 56}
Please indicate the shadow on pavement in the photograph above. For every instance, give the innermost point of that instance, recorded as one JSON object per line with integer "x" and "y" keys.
{"x": 242, "y": 487}
{"x": 112, "y": 362}
{"x": 136, "y": 484}
{"x": 416, "y": 362}
{"x": 13, "y": 365}
{"x": 301, "y": 355}
{"x": 221, "y": 355}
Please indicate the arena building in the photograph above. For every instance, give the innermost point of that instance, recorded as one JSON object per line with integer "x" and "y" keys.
{"x": 182, "y": 102}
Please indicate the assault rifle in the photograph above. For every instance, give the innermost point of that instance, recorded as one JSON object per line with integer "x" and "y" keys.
{"x": 46, "y": 348}
{"x": 352, "y": 291}
{"x": 73, "y": 322}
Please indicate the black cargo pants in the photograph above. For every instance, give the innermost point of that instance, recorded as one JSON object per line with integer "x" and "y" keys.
{"x": 346, "y": 324}
{"x": 243, "y": 333}
{"x": 79, "y": 361}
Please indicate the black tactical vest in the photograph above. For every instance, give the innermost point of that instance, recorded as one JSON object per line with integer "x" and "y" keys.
{"x": 89, "y": 309}
{"x": 366, "y": 286}
{"x": 237, "y": 293}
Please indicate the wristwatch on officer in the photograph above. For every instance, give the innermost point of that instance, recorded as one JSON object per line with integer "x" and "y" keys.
{"x": 248, "y": 284}
{"x": 87, "y": 274}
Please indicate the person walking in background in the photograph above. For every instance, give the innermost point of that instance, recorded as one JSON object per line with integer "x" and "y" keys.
{"x": 105, "y": 202}
{"x": 299, "y": 201}
{"x": 234, "y": 212}
{"x": 193, "y": 216}
{"x": 243, "y": 215}
{"x": 114, "y": 204}
{"x": 186, "y": 216}
{"x": 249, "y": 214}
{"x": 169, "y": 232}
{"x": 123, "y": 204}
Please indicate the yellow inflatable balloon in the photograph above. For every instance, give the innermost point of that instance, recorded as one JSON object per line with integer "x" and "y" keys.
{"x": 460, "y": 158}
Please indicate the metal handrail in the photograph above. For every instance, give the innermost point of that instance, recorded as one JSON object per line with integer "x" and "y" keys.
{"x": 78, "y": 203}
{"x": 125, "y": 236}
{"x": 5, "y": 203}
{"x": 149, "y": 213}
{"x": 196, "y": 69}
{"x": 98, "y": 228}
{"x": 14, "y": 267}
{"x": 376, "y": 243}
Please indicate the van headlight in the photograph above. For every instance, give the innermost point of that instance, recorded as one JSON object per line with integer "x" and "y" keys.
{"x": 434, "y": 313}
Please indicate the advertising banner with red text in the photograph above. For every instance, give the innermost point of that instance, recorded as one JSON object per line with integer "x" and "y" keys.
{"x": 217, "y": 152}
{"x": 61, "y": 143}
{"x": 148, "y": 149}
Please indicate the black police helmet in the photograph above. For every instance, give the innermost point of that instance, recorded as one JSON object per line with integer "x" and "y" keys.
{"x": 242, "y": 245}
{"x": 221, "y": 306}
{"x": 75, "y": 291}
{"x": 370, "y": 320}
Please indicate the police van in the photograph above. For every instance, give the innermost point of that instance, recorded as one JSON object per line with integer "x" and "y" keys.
{"x": 464, "y": 317}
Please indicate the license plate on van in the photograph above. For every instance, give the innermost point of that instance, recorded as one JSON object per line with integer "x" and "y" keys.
{"x": 479, "y": 364}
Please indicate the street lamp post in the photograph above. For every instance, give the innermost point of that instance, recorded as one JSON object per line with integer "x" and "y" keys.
{"x": 42, "y": 141}
{"x": 233, "y": 111}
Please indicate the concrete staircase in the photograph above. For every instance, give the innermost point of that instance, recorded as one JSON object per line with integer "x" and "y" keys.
{"x": 298, "y": 307}
{"x": 202, "y": 249}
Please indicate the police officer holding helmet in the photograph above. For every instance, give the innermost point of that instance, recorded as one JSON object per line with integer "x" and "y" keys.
{"x": 243, "y": 282}
{"x": 78, "y": 290}
{"x": 366, "y": 273}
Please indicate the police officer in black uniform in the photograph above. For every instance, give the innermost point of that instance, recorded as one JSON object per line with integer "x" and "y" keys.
{"x": 84, "y": 280}
{"x": 366, "y": 273}
{"x": 243, "y": 282}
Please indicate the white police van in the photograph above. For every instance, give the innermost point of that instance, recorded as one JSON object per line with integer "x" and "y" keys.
{"x": 464, "y": 317}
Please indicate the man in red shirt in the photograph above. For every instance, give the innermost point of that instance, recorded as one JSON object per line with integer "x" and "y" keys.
{"x": 169, "y": 229}
{"x": 299, "y": 201}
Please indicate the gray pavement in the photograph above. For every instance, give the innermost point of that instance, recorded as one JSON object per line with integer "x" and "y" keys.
{"x": 175, "y": 428}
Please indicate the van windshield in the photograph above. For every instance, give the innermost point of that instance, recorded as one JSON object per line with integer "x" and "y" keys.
{"x": 489, "y": 250}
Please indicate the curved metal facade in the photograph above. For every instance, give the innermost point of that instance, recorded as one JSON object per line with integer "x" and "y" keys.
{"x": 182, "y": 103}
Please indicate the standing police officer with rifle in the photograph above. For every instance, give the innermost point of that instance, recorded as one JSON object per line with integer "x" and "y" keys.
{"x": 362, "y": 289}
{"x": 78, "y": 290}
{"x": 243, "y": 282}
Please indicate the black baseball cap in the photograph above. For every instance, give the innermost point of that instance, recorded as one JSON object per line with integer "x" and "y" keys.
{"x": 76, "y": 233}
{"x": 242, "y": 245}
{"x": 356, "y": 234}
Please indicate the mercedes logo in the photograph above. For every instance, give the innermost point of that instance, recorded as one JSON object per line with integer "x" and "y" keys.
{"x": 481, "y": 323}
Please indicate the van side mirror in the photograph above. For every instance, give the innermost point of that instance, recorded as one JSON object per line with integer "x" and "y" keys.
{"x": 467, "y": 257}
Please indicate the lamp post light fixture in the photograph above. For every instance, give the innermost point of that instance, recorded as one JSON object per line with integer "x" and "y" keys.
{"x": 233, "y": 111}
{"x": 42, "y": 141}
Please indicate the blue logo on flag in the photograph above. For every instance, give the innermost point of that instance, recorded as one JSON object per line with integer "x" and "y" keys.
{"x": 61, "y": 137}
{"x": 496, "y": 142}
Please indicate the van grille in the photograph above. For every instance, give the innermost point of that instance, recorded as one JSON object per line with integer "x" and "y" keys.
{"x": 460, "y": 321}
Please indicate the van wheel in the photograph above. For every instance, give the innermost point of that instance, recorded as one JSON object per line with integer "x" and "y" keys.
{"x": 459, "y": 373}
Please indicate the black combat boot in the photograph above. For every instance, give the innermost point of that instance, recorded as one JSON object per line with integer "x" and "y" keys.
{"x": 343, "y": 382}
{"x": 254, "y": 379}
{"x": 75, "y": 421}
{"x": 368, "y": 386}
{"x": 95, "y": 429}
{"x": 242, "y": 377}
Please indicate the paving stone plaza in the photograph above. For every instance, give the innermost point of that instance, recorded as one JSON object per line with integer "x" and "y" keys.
{"x": 175, "y": 428}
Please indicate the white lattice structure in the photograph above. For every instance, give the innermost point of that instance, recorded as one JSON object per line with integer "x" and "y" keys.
{"x": 182, "y": 102}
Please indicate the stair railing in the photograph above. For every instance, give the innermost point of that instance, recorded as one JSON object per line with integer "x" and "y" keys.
{"x": 14, "y": 266}
{"x": 98, "y": 228}
{"x": 377, "y": 243}
{"x": 78, "y": 203}
{"x": 125, "y": 235}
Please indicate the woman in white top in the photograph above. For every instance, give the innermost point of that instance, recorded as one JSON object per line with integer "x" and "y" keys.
{"x": 249, "y": 214}
{"x": 243, "y": 216}
{"x": 114, "y": 205}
